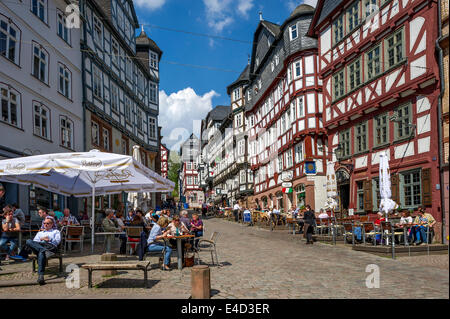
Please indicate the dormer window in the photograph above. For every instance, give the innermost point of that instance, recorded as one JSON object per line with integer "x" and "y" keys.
{"x": 154, "y": 60}
{"x": 293, "y": 32}
{"x": 236, "y": 94}
{"x": 257, "y": 62}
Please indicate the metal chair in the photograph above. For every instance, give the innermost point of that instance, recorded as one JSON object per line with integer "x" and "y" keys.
{"x": 159, "y": 254}
{"x": 370, "y": 231}
{"x": 133, "y": 235}
{"x": 348, "y": 230}
{"x": 73, "y": 234}
{"x": 210, "y": 246}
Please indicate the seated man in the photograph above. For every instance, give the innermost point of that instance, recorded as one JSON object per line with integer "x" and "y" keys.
{"x": 10, "y": 226}
{"x": 156, "y": 234}
{"x": 18, "y": 213}
{"x": 68, "y": 219}
{"x": 323, "y": 214}
{"x": 44, "y": 245}
{"x": 423, "y": 220}
{"x": 184, "y": 218}
{"x": 43, "y": 213}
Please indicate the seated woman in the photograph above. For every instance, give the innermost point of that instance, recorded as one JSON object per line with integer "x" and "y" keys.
{"x": 155, "y": 234}
{"x": 405, "y": 220}
{"x": 196, "y": 228}
{"x": 177, "y": 228}
{"x": 122, "y": 237}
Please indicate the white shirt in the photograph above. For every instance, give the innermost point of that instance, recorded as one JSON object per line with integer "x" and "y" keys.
{"x": 53, "y": 235}
{"x": 323, "y": 215}
{"x": 406, "y": 220}
{"x": 236, "y": 206}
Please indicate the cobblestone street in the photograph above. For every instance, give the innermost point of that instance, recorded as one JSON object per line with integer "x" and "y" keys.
{"x": 255, "y": 264}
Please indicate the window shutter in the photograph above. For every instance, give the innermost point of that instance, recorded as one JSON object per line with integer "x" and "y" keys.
{"x": 395, "y": 188}
{"x": 368, "y": 196}
{"x": 426, "y": 186}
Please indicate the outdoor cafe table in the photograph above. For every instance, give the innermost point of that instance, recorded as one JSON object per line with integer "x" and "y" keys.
{"x": 25, "y": 231}
{"x": 108, "y": 242}
{"x": 179, "y": 252}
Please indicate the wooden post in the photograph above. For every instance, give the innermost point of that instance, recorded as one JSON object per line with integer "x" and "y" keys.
{"x": 200, "y": 282}
{"x": 109, "y": 257}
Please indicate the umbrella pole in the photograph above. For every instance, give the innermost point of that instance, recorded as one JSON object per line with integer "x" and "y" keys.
{"x": 93, "y": 219}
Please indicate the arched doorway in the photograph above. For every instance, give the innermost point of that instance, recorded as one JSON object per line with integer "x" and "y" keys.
{"x": 279, "y": 196}
{"x": 343, "y": 187}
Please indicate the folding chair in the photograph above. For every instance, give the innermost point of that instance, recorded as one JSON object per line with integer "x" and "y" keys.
{"x": 73, "y": 234}
{"x": 348, "y": 230}
{"x": 370, "y": 231}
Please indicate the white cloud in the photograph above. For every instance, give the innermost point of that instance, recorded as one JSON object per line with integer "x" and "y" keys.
{"x": 180, "y": 114}
{"x": 312, "y": 3}
{"x": 150, "y": 4}
{"x": 244, "y": 6}
{"x": 291, "y": 4}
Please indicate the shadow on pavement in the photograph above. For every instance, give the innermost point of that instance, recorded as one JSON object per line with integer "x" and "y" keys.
{"x": 126, "y": 283}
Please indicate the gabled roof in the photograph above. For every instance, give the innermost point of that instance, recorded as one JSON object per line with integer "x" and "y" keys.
{"x": 323, "y": 10}
{"x": 219, "y": 113}
{"x": 243, "y": 78}
{"x": 271, "y": 27}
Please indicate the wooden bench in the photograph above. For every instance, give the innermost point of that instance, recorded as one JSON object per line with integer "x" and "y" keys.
{"x": 58, "y": 256}
{"x": 117, "y": 265}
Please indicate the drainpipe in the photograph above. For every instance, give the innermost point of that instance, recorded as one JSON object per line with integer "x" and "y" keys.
{"x": 440, "y": 122}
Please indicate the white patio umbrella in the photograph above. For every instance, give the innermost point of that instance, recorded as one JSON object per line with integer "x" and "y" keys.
{"x": 133, "y": 197}
{"x": 331, "y": 188}
{"x": 83, "y": 174}
{"x": 386, "y": 203}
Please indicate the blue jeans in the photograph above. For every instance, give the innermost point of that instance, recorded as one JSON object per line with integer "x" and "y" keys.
{"x": 13, "y": 244}
{"x": 157, "y": 247}
{"x": 420, "y": 233}
{"x": 39, "y": 250}
{"x": 198, "y": 233}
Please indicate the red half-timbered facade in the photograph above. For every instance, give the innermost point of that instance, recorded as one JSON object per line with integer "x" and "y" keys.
{"x": 380, "y": 93}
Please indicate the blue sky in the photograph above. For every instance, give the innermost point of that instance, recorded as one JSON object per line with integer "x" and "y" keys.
{"x": 195, "y": 70}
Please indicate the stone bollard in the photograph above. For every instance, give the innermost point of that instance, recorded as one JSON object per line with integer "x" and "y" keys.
{"x": 200, "y": 282}
{"x": 109, "y": 257}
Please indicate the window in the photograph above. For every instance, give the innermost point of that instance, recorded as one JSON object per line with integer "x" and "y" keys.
{"x": 189, "y": 180}
{"x": 411, "y": 193}
{"x": 394, "y": 49}
{"x": 127, "y": 110}
{"x": 154, "y": 60}
{"x": 242, "y": 177}
{"x": 344, "y": 143}
{"x": 373, "y": 62}
{"x": 354, "y": 74}
{"x": 297, "y": 69}
{"x": 381, "y": 130}
{"x": 63, "y": 31}
{"x": 402, "y": 128}
{"x": 10, "y": 107}
{"x": 114, "y": 51}
{"x": 277, "y": 59}
{"x": 66, "y": 128}
{"x": 152, "y": 128}
{"x": 64, "y": 83}
{"x": 289, "y": 161}
{"x": 114, "y": 97}
{"x": 98, "y": 32}
{"x": 241, "y": 148}
{"x": 301, "y": 195}
{"x": 236, "y": 94}
{"x": 41, "y": 121}
{"x": 40, "y": 63}
{"x": 95, "y": 133}
{"x": 249, "y": 96}
{"x": 299, "y": 152}
{"x": 280, "y": 163}
{"x": 293, "y": 32}
{"x": 140, "y": 81}
{"x": 195, "y": 180}
{"x": 129, "y": 68}
{"x": 153, "y": 93}
{"x": 376, "y": 193}
{"x": 139, "y": 123}
{"x": 98, "y": 83}
{"x": 338, "y": 85}
{"x": 361, "y": 137}
{"x": 272, "y": 66}
{"x": 9, "y": 40}
{"x": 360, "y": 196}
{"x": 338, "y": 29}
{"x": 38, "y": 7}
{"x": 106, "y": 138}
{"x": 300, "y": 107}
{"x": 370, "y": 6}
{"x": 289, "y": 74}
{"x": 353, "y": 16}
{"x": 189, "y": 166}
{"x": 239, "y": 120}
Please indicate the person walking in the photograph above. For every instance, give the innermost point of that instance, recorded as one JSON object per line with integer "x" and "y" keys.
{"x": 309, "y": 219}
{"x": 236, "y": 209}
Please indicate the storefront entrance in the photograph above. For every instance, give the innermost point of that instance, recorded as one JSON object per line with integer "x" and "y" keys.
{"x": 343, "y": 186}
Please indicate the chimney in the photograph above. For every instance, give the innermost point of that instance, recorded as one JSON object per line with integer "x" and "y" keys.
{"x": 260, "y": 16}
